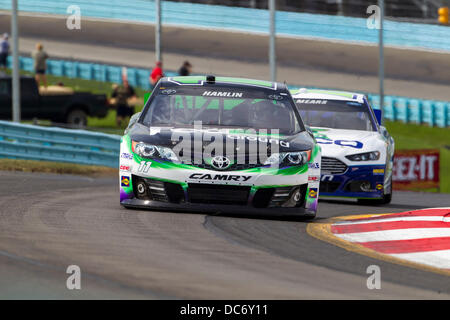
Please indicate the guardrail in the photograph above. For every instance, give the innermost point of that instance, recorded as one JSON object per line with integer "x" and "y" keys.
{"x": 23, "y": 141}
{"x": 408, "y": 110}
{"x": 251, "y": 20}
{"x": 396, "y": 108}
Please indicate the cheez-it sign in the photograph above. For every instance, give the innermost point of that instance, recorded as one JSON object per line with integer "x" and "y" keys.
{"x": 414, "y": 169}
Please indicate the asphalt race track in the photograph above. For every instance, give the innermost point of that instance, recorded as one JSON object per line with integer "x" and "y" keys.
{"x": 48, "y": 222}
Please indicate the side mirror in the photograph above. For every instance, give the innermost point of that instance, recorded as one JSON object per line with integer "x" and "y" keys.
{"x": 134, "y": 118}
{"x": 386, "y": 134}
{"x": 308, "y": 129}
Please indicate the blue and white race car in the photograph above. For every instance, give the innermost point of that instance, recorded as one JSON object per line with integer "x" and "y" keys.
{"x": 357, "y": 152}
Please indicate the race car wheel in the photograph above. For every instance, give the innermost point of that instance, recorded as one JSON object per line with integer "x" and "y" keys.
{"x": 388, "y": 196}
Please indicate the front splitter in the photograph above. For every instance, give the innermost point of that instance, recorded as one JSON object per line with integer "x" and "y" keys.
{"x": 214, "y": 208}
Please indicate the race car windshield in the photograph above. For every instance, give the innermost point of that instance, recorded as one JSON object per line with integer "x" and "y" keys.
{"x": 336, "y": 114}
{"x": 234, "y": 110}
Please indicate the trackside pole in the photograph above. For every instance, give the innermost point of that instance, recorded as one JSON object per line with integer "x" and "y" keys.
{"x": 381, "y": 58}
{"x": 158, "y": 30}
{"x": 272, "y": 45}
{"x": 15, "y": 64}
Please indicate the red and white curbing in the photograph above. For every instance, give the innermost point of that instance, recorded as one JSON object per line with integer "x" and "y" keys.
{"x": 420, "y": 236}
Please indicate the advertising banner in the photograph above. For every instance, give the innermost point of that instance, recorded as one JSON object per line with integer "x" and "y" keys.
{"x": 416, "y": 169}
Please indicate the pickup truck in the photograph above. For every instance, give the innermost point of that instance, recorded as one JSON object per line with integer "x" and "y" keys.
{"x": 58, "y": 104}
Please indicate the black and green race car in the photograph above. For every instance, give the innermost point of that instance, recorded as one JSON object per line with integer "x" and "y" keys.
{"x": 220, "y": 145}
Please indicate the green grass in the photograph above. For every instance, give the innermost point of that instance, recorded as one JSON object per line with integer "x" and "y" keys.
{"x": 412, "y": 136}
{"x": 55, "y": 167}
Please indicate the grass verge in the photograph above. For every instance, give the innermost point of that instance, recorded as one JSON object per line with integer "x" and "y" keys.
{"x": 55, "y": 167}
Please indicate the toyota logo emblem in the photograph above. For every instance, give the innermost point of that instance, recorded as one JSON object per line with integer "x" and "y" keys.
{"x": 220, "y": 162}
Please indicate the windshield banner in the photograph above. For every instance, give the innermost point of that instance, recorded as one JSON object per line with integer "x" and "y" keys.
{"x": 416, "y": 169}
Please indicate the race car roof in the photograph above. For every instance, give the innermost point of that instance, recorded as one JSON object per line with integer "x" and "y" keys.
{"x": 327, "y": 94}
{"x": 222, "y": 81}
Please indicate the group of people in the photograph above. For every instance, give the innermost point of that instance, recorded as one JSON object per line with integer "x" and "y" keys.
{"x": 123, "y": 93}
{"x": 157, "y": 72}
{"x": 39, "y": 59}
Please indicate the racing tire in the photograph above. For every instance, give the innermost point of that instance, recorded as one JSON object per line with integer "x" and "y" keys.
{"x": 77, "y": 118}
{"x": 303, "y": 218}
{"x": 388, "y": 196}
{"x": 307, "y": 218}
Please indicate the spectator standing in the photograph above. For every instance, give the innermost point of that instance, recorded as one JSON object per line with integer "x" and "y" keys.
{"x": 185, "y": 69}
{"x": 157, "y": 73}
{"x": 4, "y": 51}
{"x": 122, "y": 93}
{"x": 40, "y": 64}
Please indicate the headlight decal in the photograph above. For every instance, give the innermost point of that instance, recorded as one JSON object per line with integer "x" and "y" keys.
{"x": 149, "y": 151}
{"x": 298, "y": 158}
{"x": 366, "y": 156}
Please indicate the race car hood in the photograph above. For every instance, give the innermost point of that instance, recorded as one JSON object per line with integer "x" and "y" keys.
{"x": 170, "y": 136}
{"x": 339, "y": 142}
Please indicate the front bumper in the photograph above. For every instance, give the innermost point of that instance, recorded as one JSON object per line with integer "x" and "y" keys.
{"x": 214, "y": 208}
{"x": 348, "y": 184}
{"x": 156, "y": 194}
{"x": 291, "y": 190}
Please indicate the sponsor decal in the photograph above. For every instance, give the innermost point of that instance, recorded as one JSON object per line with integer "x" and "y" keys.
{"x": 124, "y": 168}
{"x": 313, "y": 193}
{"x": 328, "y": 177}
{"x": 168, "y": 91}
{"x": 314, "y": 165}
{"x": 125, "y": 181}
{"x": 378, "y": 171}
{"x": 313, "y": 178}
{"x": 416, "y": 169}
{"x": 344, "y": 143}
{"x": 126, "y": 156}
{"x": 220, "y": 162}
{"x": 219, "y": 177}
{"x": 222, "y": 94}
{"x": 379, "y": 186}
{"x": 311, "y": 101}
{"x": 275, "y": 97}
